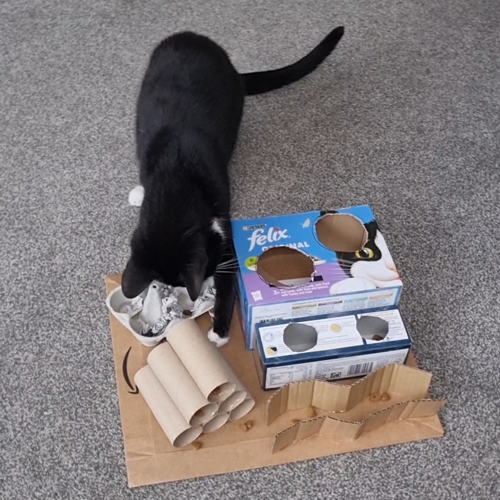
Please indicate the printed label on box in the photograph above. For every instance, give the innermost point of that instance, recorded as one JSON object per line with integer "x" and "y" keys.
{"x": 334, "y": 333}
{"x": 333, "y": 369}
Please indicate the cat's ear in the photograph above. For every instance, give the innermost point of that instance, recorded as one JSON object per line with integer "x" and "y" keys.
{"x": 135, "y": 279}
{"x": 194, "y": 274}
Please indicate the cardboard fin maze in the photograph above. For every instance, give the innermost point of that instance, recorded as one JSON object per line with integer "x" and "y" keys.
{"x": 394, "y": 392}
{"x": 336, "y": 429}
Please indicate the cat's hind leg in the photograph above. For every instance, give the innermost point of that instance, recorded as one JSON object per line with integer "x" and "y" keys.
{"x": 136, "y": 196}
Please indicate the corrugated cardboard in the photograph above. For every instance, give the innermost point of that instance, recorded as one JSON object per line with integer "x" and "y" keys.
{"x": 398, "y": 381}
{"x": 405, "y": 389}
{"x": 150, "y": 458}
{"x": 339, "y": 430}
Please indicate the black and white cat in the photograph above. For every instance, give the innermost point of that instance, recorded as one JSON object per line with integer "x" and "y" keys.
{"x": 188, "y": 114}
{"x": 368, "y": 268}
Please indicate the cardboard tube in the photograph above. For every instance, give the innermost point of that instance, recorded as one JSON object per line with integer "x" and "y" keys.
{"x": 216, "y": 423}
{"x": 174, "y": 425}
{"x": 180, "y": 386}
{"x": 240, "y": 393}
{"x": 199, "y": 356}
{"x": 236, "y": 398}
{"x": 242, "y": 409}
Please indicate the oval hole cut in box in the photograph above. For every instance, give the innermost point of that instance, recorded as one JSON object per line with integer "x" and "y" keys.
{"x": 341, "y": 232}
{"x": 299, "y": 337}
{"x": 216, "y": 423}
{"x": 285, "y": 267}
{"x": 372, "y": 327}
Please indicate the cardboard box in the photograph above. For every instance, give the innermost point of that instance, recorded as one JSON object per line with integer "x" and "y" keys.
{"x": 313, "y": 263}
{"x": 330, "y": 347}
{"x": 150, "y": 458}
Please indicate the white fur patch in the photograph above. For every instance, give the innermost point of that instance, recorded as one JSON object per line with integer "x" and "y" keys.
{"x": 217, "y": 228}
{"x": 213, "y": 337}
{"x": 136, "y": 196}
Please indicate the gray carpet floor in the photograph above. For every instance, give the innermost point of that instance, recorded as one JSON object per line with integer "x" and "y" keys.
{"x": 405, "y": 116}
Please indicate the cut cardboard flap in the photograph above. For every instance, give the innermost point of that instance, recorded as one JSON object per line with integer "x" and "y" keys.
{"x": 283, "y": 266}
{"x": 401, "y": 380}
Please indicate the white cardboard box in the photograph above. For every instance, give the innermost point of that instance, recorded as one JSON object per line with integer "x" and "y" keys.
{"x": 330, "y": 347}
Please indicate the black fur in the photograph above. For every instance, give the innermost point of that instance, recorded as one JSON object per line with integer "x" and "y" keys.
{"x": 188, "y": 115}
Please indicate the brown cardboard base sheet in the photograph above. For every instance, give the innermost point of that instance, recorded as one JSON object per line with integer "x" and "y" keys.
{"x": 151, "y": 459}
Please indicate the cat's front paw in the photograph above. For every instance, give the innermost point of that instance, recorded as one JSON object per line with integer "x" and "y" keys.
{"x": 136, "y": 196}
{"x": 218, "y": 341}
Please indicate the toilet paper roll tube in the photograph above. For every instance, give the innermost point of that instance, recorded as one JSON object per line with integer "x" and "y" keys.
{"x": 240, "y": 393}
{"x": 180, "y": 386}
{"x": 200, "y": 358}
{"x": 174, "y": 425}
{"x": 242, "y": 409}
{"x": 216, "y": 423}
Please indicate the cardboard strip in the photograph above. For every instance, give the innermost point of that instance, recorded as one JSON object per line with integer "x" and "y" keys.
{"x": 180, "y": 386}
{"x": 402, "y": 380}
{"x": 200, "y": 358}
{"x": 177, "y": 429}
{"x": 339, "y": 430}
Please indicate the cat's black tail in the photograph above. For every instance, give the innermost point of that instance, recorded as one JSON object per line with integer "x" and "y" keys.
{"x": 264, "y": 81}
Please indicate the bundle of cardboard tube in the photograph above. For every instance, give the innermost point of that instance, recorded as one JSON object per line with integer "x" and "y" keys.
{"x": 189, "y": 386}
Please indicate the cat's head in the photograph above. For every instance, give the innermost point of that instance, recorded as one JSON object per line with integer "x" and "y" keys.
{"x": 182, "y": 251}
{"x": 372, "y": 262}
